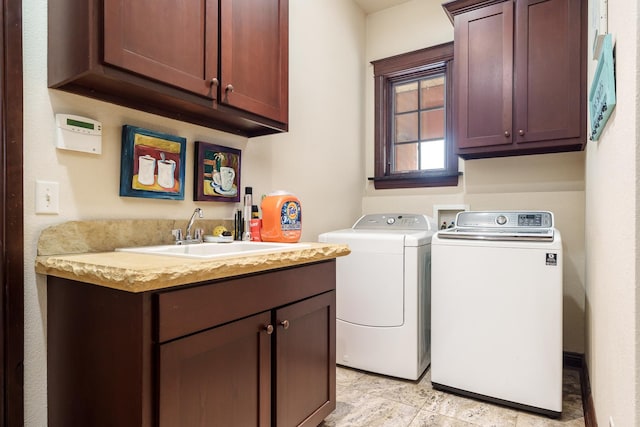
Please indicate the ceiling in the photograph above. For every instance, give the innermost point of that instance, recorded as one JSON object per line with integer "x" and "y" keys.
{"x": 371, "y": 6}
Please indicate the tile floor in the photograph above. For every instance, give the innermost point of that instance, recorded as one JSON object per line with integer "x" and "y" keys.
{"x": 370, "y": 400}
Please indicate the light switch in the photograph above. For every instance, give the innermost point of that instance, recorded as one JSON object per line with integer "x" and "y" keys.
{"x": 47, "y": 197}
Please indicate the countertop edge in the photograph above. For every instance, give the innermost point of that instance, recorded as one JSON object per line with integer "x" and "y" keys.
{"x": 141, "y": 272}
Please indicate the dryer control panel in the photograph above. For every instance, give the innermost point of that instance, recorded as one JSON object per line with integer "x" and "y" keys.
{"x": 394, "y": 222}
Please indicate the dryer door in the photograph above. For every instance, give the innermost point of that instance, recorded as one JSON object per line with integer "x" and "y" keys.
{"x": 370, "y": 280}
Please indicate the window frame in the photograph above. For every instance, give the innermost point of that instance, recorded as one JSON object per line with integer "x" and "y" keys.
{"x": 388, "y": 71}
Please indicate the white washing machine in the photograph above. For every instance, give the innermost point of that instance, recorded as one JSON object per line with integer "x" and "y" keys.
{"x": 383, "y": 294}
{"x": 497, "y": 309}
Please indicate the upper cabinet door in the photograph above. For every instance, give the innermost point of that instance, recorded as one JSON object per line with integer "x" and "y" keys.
{"x": 483, "y": 55}
{"x": 548, "y": 69}
{"x": 174, "y": 42}
{"x": 254, "y": 56}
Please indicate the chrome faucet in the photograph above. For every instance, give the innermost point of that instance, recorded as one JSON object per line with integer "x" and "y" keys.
{"x": 197, "y": 238}
{"x": 200, "y": 214}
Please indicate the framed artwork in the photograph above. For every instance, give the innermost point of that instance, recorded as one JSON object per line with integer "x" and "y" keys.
{"x": 152, "y": 164}
{"x": 217, "y": 173}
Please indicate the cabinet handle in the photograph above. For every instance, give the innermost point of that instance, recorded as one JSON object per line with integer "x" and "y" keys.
{"x": 507, "y": 134}
{"x": 285, "y": 324}
{"x": 269, "y": 329}
{"x": 229, "y": 88}
{"x": 521, "y": 132}
{"x": 214, "y": 82}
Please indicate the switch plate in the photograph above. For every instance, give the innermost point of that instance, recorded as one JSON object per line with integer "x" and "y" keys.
{"x": 47, "y": 197}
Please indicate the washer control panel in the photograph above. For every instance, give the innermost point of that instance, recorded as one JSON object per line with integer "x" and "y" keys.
{"x": 514, "y": 219}
{"x": 394, "y": 222}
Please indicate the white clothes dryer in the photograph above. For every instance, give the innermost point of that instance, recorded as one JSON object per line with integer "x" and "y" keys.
{"x": 383, "y": 294}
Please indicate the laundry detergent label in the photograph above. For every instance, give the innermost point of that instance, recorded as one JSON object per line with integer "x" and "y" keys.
{"x": 291, "y": 216}
{"x": 552, "y": 259}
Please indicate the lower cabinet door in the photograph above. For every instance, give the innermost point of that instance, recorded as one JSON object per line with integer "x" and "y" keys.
{"x": 219, "y": 377}
{"x": 305, "y": 361}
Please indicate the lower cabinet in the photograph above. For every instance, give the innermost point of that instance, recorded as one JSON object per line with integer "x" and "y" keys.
{"x": 257, "y": 350}
{"x": 305, "y": 388}
{"x": 218, "y": 377}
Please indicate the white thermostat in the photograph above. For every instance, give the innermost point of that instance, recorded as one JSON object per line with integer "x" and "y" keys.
{"x": 78, "y": 133}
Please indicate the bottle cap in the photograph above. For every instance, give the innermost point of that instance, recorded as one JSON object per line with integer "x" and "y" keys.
{"x": 248, "y": 190}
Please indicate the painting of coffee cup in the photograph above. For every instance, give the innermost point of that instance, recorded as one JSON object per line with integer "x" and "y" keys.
{"x": 217, "y": 173}
{"x": 152, "y": 164}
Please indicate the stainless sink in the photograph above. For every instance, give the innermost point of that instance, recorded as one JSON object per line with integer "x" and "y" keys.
{"x": 214, "y": 250}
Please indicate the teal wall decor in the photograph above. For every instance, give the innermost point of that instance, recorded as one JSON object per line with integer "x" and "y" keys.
{"x": 602, "y": 96}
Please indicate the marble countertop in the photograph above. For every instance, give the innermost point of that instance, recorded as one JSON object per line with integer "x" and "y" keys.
{"x": 84, "y": 251}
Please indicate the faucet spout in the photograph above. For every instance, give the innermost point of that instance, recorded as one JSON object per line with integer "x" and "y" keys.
{"x": 200, "y": 214}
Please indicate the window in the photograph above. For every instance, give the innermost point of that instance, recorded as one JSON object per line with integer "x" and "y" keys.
{"x": 413, "y": 138}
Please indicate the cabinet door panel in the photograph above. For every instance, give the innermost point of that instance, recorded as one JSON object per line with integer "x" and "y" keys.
{"x": 305, "y": 361}
{"x": 483, "y": 76}
{"x": 254, "y": 57}
{"x": 218, "y": 377}
{"x": 172, "y": 41}
{"x": 547, "y": 63}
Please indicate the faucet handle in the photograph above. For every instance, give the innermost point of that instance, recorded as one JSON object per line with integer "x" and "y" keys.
{"x": 199, "y": 234}
{"x": 177, "y": 234}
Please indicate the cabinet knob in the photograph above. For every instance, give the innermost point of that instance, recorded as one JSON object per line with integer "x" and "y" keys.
{"x": 507, "y": 134}
{"x": 229, "y": 88}
{"x": 521, "y": 132}
{"x": 285, "y": 324}
{"x": 269, "y": 329}
{"x": 214, "y": 82}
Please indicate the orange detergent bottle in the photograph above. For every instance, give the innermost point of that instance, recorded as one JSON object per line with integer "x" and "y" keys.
{"x": 281, "y": 218}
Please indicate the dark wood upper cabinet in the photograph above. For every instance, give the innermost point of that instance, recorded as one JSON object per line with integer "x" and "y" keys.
{"x": 159, "y": 40}
{"x": 216, "y": 63}
{"x": 255, "y": 55}
{"x": 520, "y": 76}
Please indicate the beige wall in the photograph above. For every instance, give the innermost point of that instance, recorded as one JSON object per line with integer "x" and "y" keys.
{"x": 612, "y": 235}
{"x": 320, "y": 159}
{"x": 549, "y": 182}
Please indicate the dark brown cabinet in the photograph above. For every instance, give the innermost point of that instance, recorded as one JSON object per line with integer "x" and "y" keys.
{"x": 217, "y": 377}
{"x": 257, "y": 350}
{"x": 305, "y": 355}
{"x": 519, "y": 77}
{"x": 217, "y": 63}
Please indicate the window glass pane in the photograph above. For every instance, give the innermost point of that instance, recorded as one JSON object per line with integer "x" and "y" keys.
{"x": 406, "y": 157}
{"x": 432, "y": 124}
{"x": 406, "y": 97}
{"x": 432, "y": 155}
{"x": 406, "y": 127}
{"x": 432, "y": 92}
